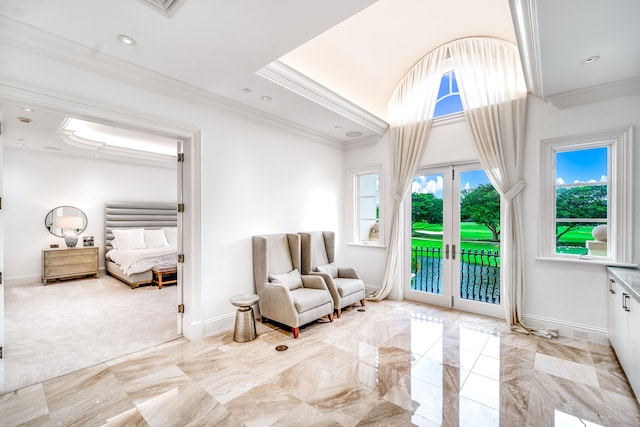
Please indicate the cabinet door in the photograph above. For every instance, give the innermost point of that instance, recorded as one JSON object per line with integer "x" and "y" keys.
{"x": 620, "y": 324}
{"x": 633, "y": 337}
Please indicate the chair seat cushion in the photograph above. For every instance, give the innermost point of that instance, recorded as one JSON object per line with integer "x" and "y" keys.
{"x": 308, "y": 298}
{"x": 348, "y": 286}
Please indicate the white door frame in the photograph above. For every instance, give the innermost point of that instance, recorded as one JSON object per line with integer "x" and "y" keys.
{"x": 451, "y": 237}
{"x": 189, "y": 291}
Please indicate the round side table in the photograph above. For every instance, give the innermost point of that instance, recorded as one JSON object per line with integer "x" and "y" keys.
{"x": 245, "y": 328}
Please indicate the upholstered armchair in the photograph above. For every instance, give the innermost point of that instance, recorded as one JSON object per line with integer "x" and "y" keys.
{"x": 318, "y": 258}
{"x": 286, "y": 296}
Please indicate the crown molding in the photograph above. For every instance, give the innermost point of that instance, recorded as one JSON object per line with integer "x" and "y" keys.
{"x": 285, "y": 76}
{"x": 589, "y": 95}
{"x": 524, "y": 16}
{"x": 165, "y": 7}
{"x": 368, "y": 141}
{"x": 41, "y": 43}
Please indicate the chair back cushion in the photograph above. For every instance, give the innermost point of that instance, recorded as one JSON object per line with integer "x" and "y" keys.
{"x": 292, "y": 279}
{"x": 274, "y": 254}
{"x": 316, "y": 249}
{"x": 331, "y": 269}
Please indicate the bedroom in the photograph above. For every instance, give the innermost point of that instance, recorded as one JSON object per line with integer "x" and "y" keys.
{"x": 37, "y": 181}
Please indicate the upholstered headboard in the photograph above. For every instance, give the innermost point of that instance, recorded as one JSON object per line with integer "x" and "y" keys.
{"x": 137, "y": 215}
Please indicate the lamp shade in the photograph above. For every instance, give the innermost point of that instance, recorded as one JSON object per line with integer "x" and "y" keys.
{"x": 69, "y": 222}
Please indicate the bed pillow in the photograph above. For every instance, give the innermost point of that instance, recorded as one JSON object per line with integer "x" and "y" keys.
{"x": 171, "y": 234}
{"x": 131, "y": 238}
{"x": 155, "y": 239}
{"x": 331, "y": 269}
{"x": 292, "y": 279}
{"x": 114, "y": 244}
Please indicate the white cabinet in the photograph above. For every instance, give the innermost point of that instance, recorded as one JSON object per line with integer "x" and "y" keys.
{"x": 624, "y": 321}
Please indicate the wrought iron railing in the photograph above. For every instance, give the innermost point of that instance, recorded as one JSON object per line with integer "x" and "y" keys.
{"x": 479, "y": 273}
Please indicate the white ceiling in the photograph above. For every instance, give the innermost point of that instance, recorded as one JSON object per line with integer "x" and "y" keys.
{"x": 330, "y": 66}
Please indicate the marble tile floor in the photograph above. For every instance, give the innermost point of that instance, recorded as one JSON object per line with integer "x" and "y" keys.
{"x": 396, "y": 363}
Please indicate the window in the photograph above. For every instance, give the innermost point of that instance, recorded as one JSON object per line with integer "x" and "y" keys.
{"x": 586, "y": 198}
{"x": 448, "y": 101}
{"x": 367, "y": 227}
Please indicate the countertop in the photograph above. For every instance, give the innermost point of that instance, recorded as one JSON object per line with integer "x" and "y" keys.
{"x": 629, "y": 278}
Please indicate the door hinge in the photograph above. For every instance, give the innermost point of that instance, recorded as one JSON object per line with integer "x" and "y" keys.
{"x": 180, "y": 308}
{"x": 180, "y": 257}
{"x": 451, "y": 301}
{"x": 1, "y": 356}
{"x": 181, "y": 157}
{"x": 180, "y": 207}
{"x": 453, "y": 174}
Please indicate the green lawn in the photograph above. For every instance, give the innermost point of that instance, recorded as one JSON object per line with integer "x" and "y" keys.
{"x": 478, "y": 237}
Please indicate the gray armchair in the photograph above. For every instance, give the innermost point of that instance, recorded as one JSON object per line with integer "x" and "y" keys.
{"x": 318, "y": 258}
{"x": 286, "y": 296}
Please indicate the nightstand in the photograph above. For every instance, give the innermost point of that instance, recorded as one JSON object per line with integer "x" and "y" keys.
{"x": 69, "y": 263}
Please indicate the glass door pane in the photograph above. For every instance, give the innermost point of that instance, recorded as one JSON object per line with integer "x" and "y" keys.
{"x": 479, "y": 243}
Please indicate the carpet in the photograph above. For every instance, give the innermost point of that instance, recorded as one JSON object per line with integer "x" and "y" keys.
{"x": 69, "y": 325}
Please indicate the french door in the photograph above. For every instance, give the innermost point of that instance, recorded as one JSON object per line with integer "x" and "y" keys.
{"x": 454, "y": 240}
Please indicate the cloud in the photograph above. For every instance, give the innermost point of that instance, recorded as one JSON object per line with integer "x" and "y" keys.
{"x": 467, "y": 186}
{"x": 603, "y": 178}
{"x": 559, "y": 181}
{"x": 420, "y": 184}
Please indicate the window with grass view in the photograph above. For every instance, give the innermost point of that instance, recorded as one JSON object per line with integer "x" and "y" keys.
{"x": 586, "y": 197}
{"x": 367, "y": 206}
{"x": 582, "y": 201}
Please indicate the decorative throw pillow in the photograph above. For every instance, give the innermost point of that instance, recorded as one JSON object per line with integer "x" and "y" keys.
{"x": 131, "y": 238}
{"x": 330, "y": 269}
{"x": 292, "y": 279}
{"x": 155, "y": 239}
{"x": 171, "y": 234}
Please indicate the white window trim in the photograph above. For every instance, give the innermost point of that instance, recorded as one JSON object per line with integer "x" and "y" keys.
{"x": 620, "y": 221}
{"x": 353, "y": 174}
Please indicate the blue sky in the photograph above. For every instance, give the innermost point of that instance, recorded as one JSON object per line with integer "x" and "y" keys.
{"x": 581, "y": 166}
{"x": 433, "y": 183}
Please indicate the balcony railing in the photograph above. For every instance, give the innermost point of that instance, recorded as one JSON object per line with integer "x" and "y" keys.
{"x": 479, "y": 273}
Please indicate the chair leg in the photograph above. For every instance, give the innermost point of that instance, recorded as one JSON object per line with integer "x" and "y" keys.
{"x": 362, "y": 302}
{"x": 296, "y": 332}
{"x": 330, "y": 317}
{"x": 339, "y": 312}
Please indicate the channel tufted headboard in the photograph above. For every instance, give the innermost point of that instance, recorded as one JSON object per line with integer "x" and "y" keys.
{"x": 147, "y": 215}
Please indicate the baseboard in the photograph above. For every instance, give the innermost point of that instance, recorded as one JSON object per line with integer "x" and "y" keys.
{"x": 219, "y": 325}
{"x": 22, "y": 280}
{"x": 569, "y": 329}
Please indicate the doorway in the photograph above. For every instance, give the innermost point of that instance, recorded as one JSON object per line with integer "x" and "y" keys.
{"x": 185, "y": 178}
{"x": 455, "y": 239}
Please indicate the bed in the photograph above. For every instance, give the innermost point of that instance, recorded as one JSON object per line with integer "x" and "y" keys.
{"x": 137, "y": 237}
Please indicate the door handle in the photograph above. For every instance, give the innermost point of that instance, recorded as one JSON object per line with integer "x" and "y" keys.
{"x": 453, "y": 252}
{"x": 625, "y": 300}
{"x": 446, "y": 251}
{"x": 611, "y": 282}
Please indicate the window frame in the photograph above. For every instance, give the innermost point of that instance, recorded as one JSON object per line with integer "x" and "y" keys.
{"x": 355, "y": 173}
{"x": 620, "y": 195}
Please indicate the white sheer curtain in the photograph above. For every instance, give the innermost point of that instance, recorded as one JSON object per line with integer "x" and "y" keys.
{"x": 494, "y": 97}
{"x": 411, "y": 113}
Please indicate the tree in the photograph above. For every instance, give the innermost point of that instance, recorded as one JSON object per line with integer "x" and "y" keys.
{"x": 426, "y": 207}
{"x": 584, "y": 201}
{"x": 482, "y": 206}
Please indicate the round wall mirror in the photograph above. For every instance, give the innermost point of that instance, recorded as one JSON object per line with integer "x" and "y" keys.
{"x": 64, "y": 219}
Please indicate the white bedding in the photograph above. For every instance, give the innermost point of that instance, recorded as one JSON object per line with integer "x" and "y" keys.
{"x": 133, "y": 261}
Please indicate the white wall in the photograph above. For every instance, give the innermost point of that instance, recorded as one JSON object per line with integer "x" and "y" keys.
{"x": 256, "y": 176}
{"x": 565, "y": 295}
{"x": 36, "y": 182}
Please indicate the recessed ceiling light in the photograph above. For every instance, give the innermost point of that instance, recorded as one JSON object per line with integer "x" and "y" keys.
{"x": 27, "y": 109}
{"x": 265, "y": 98}
{"x": 20, "y": 144}
{"x": 246, "y": 90}
{"x": 52, "y": 148}
{"x": 590, "y": 59}
{"x": 337, "y": 127}
{"x": 24, "y": 119}
{"x": 353, "y": 134}
{"x": 128, "y": 40}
